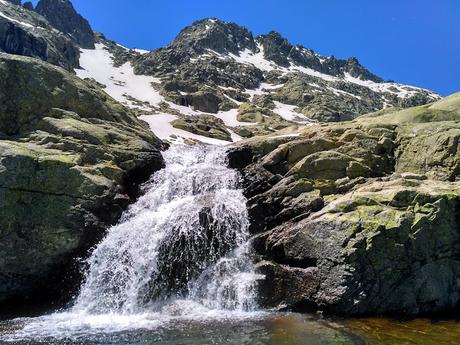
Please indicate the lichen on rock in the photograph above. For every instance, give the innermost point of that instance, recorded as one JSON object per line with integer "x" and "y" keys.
{"x": 359, "y": 218}
{"x": 71, "y": 160}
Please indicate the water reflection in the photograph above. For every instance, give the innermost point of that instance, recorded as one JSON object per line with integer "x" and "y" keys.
{"x": 415, "y": 332}
{"x": 270, "y": 329}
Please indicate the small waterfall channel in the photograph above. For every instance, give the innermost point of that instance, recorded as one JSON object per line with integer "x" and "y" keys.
{"x": 180, "y": 252}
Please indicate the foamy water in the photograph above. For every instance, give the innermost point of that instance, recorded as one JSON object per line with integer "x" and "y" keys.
{"x": 179, "y": 254}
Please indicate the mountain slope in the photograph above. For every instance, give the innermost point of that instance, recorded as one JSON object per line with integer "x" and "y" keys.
{"x": 250, "y": 85}
{"x": 62, "y": 15}
{"x": 215, "y": 82}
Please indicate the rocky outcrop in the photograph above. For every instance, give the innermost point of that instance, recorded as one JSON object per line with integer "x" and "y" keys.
{"x": 204, "y": 125}
{"x": 211, "y": 34}
{"x": 361, "y": 217}
{"x": 24, "y": 32}
{"x": 63, "y": 16}
{"x": 71, "y": 159}
{"x": 276, "y": 48}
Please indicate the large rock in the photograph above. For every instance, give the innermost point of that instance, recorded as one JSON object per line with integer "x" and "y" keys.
{"x": 359, "y": 218}
{"x": 63, "y": 16}
{"x": 204, "y": 125}
{"x": 71, "y": 160}
{"x": 388, "y": 247}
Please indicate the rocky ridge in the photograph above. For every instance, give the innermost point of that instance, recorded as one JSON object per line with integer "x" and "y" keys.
{"x": 359, "y": 218}
{"x": 52, "y": 32}
{"x": 62, "y": 15}
{"x": 220, "y": 69}
{"x": 24, "y": 32}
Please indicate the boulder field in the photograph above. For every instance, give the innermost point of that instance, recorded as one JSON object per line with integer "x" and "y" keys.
{"x": 360, "y": 217}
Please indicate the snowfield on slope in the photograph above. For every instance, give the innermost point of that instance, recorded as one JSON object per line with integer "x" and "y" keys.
{"x": 257, "y": 59}
{"x": 121, "y": 82}
{"x": 137, "y": 91}
{"x": 128, "y": 88}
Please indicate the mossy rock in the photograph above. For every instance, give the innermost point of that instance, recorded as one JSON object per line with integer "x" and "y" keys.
{"x": 71, "y": 160}
{"x": 204, "y": 125}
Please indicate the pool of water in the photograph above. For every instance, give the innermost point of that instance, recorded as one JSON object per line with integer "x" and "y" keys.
{"x": 262, "y": 328}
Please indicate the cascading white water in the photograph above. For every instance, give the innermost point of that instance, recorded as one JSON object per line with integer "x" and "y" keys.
{"x": 180, "y": 253}
{"x": 185, "y": 238}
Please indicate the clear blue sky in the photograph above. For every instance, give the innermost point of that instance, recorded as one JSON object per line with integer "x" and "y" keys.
{"x": 410, "y": 41}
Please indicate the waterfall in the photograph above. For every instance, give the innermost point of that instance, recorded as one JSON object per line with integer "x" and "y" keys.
{"x": 179, "y": 254}
{"x": 185, "y": 240}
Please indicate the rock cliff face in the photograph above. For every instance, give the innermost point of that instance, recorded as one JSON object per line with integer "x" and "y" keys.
{"x": 62, "y": 15}
{"x": 361, "y": 217}
{"x": 24, "y": 32}
{"x": 71, "y": 159}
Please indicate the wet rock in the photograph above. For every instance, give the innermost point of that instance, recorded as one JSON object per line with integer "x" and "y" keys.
{"x": 285, "y": 285}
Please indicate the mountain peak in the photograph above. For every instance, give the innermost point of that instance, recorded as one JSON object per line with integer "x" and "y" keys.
{"x": 276, "y": 48}
{"x": 63, "y": 16}
{"x": 217, "y": 35}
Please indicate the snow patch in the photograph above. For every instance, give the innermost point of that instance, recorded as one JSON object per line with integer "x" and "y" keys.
{"x": 339, "y": 92}
{"x": 141, "y": 51}
{"x": 288, "y": 113}
{"x": 3, "y": 15}
{"x": 256, "y": 59}
{"x": 400, "y": 90}
{"x": 262, "y": 90}
{"x": 121, "y": 82}
{"x": 230, "y": 118}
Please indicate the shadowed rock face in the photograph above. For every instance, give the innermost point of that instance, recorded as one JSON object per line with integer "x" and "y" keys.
{"x": 360, "y": 218}
{"x": 62, "y": 15}
{"x": 71, "y": 159}
{"x": 15, "y": 2}
{"x": 29, "y": 34}
{"x": 28, "y": 5}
